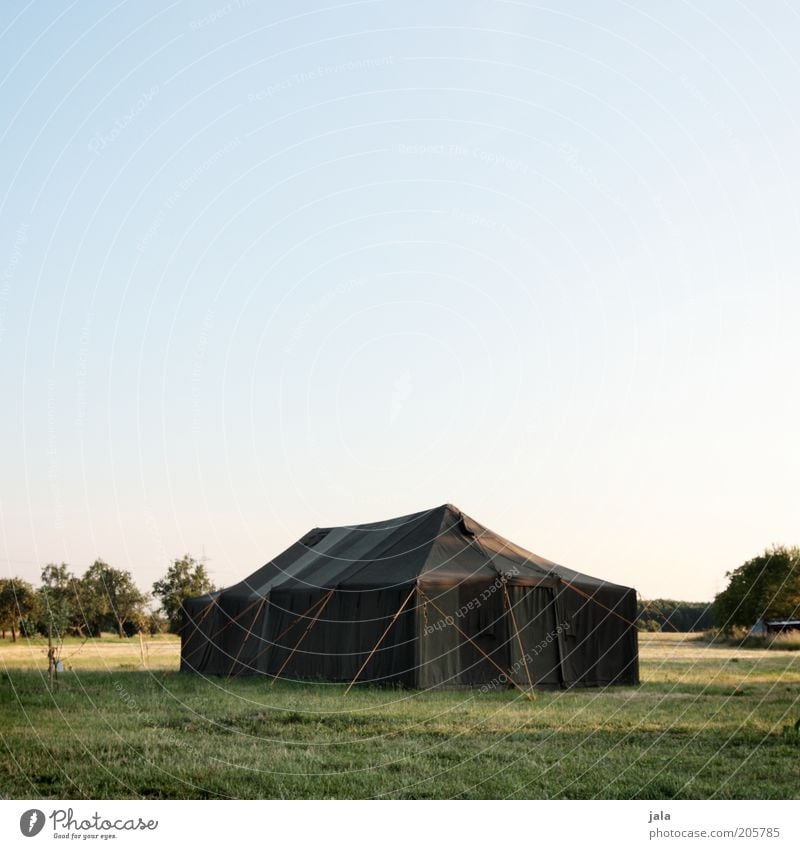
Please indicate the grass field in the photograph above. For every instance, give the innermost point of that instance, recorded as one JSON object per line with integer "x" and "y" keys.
{"x": 706, "y": 722}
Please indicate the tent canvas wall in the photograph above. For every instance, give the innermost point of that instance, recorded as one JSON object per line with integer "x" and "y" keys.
{"x": 432, "y": 599}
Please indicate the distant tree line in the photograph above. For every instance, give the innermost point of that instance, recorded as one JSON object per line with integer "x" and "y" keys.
{"x": 666, "y": 614}
{"x": 765, "y": 587}
{"x": 103, "y": 599}
{"x": 107, "y": 599}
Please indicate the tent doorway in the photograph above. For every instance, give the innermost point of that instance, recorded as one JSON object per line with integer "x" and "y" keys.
{"x": 484, "y": 619}
{"x": 534, "y": 613}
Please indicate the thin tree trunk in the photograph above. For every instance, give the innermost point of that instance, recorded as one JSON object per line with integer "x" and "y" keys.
{"x": 51, "y": 658}
{"x": 13, "y": 634}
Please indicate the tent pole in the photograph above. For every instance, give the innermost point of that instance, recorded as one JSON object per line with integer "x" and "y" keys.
{"x": 519, "y": 638}
{"x": 298, "y": 618}
{"x": 470, "y": 640}
{"x": 249, "y": 634}
{"x": 382, "y": 638}
{"x": 303, "y": 636}
{"x": 217, "y": 633}
{"x": 206, "y": 611}
{"x": 271, "y": 644}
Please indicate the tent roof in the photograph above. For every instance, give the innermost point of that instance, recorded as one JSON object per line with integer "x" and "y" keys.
{"x": 439, "y": 546}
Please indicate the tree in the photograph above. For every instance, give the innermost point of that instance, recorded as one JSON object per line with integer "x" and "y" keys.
{"x": 59, "y": 603}
{"x": 768, "y": 587}
{"x": 186, "y": 577}
{"x": 17, "y": 604}
{"x": 111, "y": 599}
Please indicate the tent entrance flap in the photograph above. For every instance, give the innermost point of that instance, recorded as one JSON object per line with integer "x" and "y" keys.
{"x": 535, "y": 615}
{"x": 524, "y": 656}
{"x": 483, "y": 617}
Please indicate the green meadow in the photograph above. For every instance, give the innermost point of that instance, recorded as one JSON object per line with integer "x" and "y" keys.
{"x": 708, "y": 721}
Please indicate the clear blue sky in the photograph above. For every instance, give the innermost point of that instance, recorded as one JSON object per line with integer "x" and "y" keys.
{"x": 267, "y": 266}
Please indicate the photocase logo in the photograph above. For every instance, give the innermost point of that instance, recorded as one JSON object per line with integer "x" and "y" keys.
{"x": 66, "y": 825}
{"x": 31, "y": 822}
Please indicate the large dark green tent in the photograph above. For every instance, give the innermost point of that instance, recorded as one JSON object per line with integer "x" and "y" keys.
{"x": 433, "y": 599}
